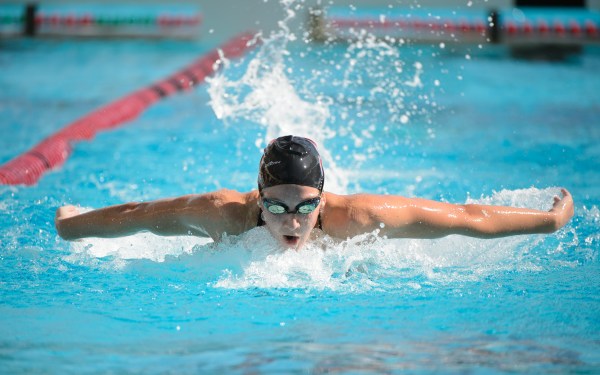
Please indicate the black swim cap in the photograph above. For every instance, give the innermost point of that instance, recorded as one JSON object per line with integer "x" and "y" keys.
{"x": 291, "y": 160}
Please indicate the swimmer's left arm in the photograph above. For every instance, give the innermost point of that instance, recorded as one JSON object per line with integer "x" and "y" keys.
{"x": 399, "y": 217}
{"x": 429, "y": 219}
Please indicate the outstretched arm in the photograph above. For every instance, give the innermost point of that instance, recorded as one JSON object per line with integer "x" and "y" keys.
{"x": 420, "y": 218}
{"x": 206, "y": 215}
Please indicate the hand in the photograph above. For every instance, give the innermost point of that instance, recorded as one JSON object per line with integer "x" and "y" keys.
{"x": 63, "y": 213}
{"x": 66, "y": 212}
{"x": 563, "y": 208}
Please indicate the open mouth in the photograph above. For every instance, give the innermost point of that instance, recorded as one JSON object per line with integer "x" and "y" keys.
{"x": 291, "y": 240}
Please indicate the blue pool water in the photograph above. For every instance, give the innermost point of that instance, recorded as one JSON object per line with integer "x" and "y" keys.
{"x": 453, "y": 123}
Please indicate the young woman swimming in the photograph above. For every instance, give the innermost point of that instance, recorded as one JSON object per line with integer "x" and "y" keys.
{"x": 290, "y": 203}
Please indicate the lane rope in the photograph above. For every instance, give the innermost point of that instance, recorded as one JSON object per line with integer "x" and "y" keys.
{"x": 574, "y": 28}
{"x": 91, "y": 20}
{"x": 53, "y": 151}
{"x": 545, "y": 25}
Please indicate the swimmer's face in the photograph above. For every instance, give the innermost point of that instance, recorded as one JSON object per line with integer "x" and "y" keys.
{"x": 290, "y": 230}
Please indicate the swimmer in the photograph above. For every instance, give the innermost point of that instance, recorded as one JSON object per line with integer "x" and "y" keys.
{"x": 290, "y": 203}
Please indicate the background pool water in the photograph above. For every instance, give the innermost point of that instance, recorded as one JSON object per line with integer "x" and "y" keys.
{"x": 465, "y": 124}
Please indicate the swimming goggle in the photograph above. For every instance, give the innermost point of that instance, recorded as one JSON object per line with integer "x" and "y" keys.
{"x": 304, "y": 208}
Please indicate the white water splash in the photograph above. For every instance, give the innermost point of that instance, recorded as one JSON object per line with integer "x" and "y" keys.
{"x": 378, "y": 81}
{"x": 531, "y": 198}
{"x": 265, "y": 95}
{"x": 140, "y": 246}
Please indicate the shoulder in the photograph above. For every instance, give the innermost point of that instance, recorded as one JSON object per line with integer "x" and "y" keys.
{"x": 348, "y": 206}
{"x": 218, "y": 199}
{"x": 343, "y": 215}
{"x": 222, "y": 197}
{"x": 361, "y": 203}
{"x": 349, "y": 215}
{"x": 229, "y": 211}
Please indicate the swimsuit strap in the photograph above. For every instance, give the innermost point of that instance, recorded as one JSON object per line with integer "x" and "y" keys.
{"x": 260, "y": 222}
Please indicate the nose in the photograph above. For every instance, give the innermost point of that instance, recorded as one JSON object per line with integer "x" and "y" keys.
{"x": 291, "y": 221}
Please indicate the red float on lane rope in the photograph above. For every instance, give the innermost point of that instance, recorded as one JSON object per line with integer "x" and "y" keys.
{"x": 52, "y": 152}
{"x": 590, "y": 28}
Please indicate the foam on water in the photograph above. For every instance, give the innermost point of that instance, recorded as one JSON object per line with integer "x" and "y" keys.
{"x": 363, "y": 263}
{"x": 140, "y": 246}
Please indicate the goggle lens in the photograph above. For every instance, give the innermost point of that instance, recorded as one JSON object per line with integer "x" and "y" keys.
{"x": 303, "y": 208}
{"x": 307, "y": 208}
{"x": 275, "y": 209}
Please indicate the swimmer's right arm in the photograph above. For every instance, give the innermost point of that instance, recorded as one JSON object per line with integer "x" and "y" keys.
{"x": 159, "y": 217}
{"x": 206, "y": 215}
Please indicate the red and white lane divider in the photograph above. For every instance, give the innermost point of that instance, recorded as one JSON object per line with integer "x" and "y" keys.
{"x": 414, "y": 24}
{"x": 575, "y": 29}
{"x": 52, "y": 152}
{"x": 571, "y": 28}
